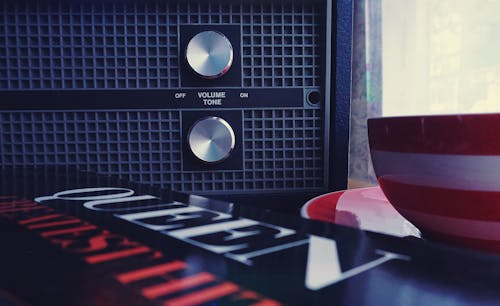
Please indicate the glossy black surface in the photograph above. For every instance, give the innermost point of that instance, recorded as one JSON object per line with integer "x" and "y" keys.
{"x": 164, "y": 247}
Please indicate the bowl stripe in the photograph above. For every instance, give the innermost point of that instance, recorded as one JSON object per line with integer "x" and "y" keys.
{"x": 467, "y": 228}
{"x": 464, "y": 204}
{"x": 471, "y": 134}
{"x": 465, "y": 172}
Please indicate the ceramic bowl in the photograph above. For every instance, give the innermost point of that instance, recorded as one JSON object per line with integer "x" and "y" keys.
{"x": 442, "y": 173}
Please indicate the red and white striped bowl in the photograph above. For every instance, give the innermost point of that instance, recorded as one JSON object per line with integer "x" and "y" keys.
{"x": 442, "y": 173}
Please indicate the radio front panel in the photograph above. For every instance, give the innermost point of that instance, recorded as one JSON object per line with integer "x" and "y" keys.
{"x": 210, "y": 97}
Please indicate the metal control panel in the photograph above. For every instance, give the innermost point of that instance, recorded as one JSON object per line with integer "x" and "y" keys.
{"x": 209, "y": 97}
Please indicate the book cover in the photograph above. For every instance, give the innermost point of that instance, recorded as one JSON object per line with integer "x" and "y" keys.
{"x": 77, "y": 238}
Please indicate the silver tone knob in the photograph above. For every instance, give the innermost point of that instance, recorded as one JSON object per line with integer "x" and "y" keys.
{"x": 211, "y": 139}
{"x": 209, "y": 54}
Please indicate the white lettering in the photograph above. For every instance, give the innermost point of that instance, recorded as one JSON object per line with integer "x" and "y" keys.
{"x": 76, "y": 194}
{"x": 94, "y": 204}
{"x": 229, "y": 227}
{"x": 180, "y": 95}
{"x": 176, "y": 214}
{"x": 246, "y": 258}
{"x": 211, "y": 228}
{"x": 244, "y": 95}
{"x": 212, "y": 94}
{"x": 323, "y": 265}
{"x": 212, "y": 101}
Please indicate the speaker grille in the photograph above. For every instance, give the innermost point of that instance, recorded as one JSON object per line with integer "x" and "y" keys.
{"x": 280, "y": 46}
{"x": 282, "y": 148}
{"x": 96, "y": 46}
{"x": 134, "y": 45}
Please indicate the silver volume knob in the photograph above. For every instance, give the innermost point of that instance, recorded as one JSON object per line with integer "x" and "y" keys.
{"x": 209, "y": 54}
{"x": 211, "y": 139}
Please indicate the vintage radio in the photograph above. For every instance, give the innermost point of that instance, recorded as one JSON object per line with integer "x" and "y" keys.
{"x": 208, "y": 97}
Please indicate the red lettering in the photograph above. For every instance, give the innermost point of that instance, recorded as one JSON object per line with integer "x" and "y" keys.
{"x": 95, "y": 259}
{"x": 72, "y": 230}
{"x": 17, "y": 202}
{"x": 21, "y": 205}
{"x": 38, "y": 219}
{"x": 7, "y": 199}
{"x": 204, "y": 296}
{"x": 133, "y": 276}
{"x": 96, "y": 242}
{"x": 82, "y": 240}
{"x": 249, "y": 296}
{"x": 266, "y": 302}
{"x": 55, "y": 223}
{"x": 177, "y": 285}
{"x": 24, "y": 208}
{"x": 14, "y": 202}
{"x": 36, "y": 222}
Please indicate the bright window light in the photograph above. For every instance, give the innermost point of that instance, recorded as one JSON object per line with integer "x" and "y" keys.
{"x": 440, "y": 56}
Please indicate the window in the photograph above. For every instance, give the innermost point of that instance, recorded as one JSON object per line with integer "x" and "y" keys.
{"x": 440, "y": 56}
{"x": 413, "y": 57}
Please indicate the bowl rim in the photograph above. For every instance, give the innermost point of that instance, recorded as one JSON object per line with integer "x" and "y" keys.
{"x": 445, "y": 115}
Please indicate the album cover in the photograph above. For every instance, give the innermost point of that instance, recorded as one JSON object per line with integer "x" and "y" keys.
{"x": 76, "y": 238}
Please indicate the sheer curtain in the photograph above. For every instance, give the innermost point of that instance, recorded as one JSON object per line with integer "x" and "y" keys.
{"x": 366, "y": 95}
